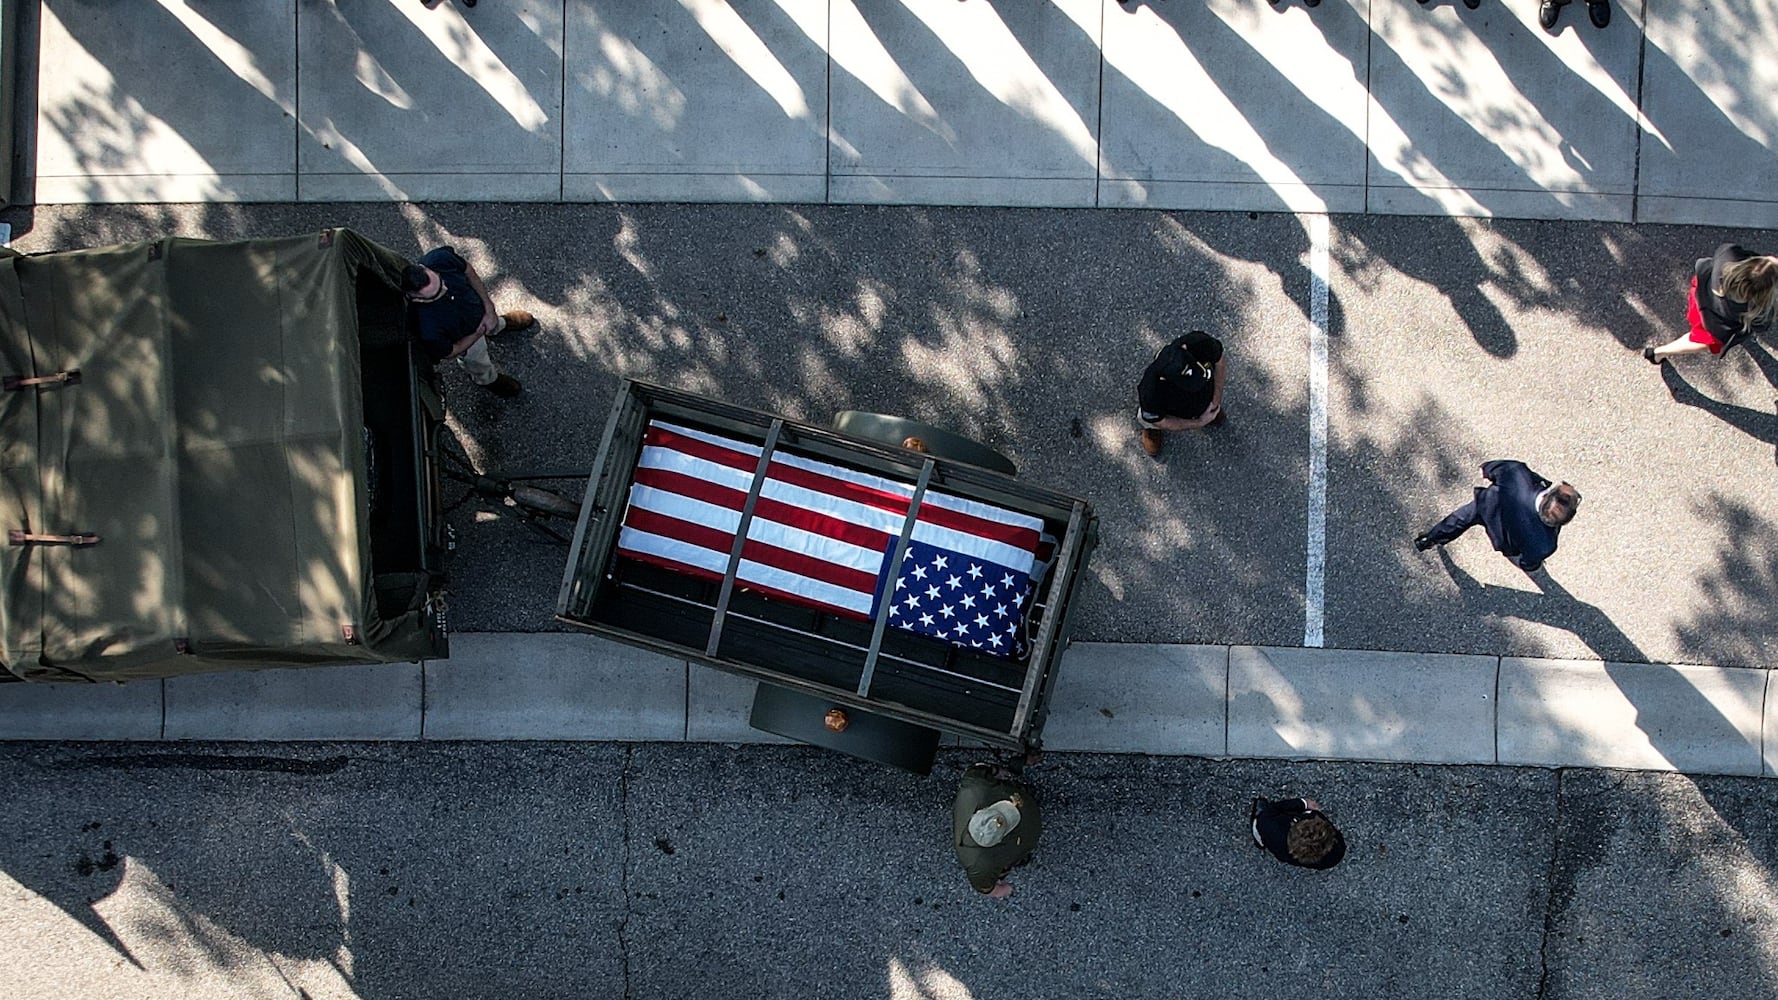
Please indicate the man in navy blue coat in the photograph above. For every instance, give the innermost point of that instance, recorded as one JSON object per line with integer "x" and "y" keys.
{"x": 1522, "y": 512}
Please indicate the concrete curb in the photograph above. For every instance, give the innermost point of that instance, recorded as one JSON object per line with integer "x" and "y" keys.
{"x": 1212, "y": 701}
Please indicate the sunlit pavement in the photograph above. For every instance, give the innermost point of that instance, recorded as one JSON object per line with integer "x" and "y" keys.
{"x": 1383, "y": 106}
{"x": 597, "y": 870}
{"x": 1376, "y": 359}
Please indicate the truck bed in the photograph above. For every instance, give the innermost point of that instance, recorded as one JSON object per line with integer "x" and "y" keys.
{"x": 722, "y": 623}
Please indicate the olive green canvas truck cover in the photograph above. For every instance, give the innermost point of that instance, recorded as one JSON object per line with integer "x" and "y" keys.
{"x": 214, "y": 441}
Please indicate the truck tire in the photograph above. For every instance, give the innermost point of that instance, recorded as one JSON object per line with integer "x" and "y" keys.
{"x": 939, "y": 442}
{"x": 868, "y": 736}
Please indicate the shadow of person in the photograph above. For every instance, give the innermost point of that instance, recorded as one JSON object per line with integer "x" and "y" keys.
{"x": 1551, "y": 604}
{"x": 1757, "y": 424}
{"x": 1768, "y": 365}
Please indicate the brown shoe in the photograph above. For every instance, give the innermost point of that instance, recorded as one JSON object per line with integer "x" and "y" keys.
{"x": 1151, "y": 443}
{"x": 518, "y": 319}
{"x": 505, "y": 386}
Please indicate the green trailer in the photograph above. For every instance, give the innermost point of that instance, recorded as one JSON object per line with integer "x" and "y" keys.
{"x": 694, "y": 541}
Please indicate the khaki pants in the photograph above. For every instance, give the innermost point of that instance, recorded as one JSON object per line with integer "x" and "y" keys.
{"x": 477, "y": 363}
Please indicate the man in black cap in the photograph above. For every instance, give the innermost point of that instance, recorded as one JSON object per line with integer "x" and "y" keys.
{"x": 1181, "y": 390}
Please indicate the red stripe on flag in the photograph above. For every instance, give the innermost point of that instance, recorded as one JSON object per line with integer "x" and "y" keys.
{"x": 717, "y": 540}
{"x": 825, "y": 525}
{"x": 690, "y": 486}
{"x": 699, "y": 448}
{"x": 857, "y": 492}
{"x": 704, "y": 574}
{"x": 703, "y": 536}
{"x": 1012, "y": 534}
{"x": 814, "y": 568}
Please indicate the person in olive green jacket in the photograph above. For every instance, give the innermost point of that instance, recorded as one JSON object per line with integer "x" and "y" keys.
{"x": 994, "y": 827}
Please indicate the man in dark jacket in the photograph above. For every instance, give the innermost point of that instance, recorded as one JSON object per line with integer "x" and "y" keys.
{"x": 994, "y": 827}
{"x": 453, "y": 315}
{"x": 1522, "y": 512}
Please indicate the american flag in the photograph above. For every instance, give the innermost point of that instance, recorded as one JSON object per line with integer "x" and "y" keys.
{"x": 967, "y": 602}
{"x": 821, "y": 534}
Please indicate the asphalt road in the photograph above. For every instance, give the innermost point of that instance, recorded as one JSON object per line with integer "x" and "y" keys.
{"x": 643, "y": 871}
{"x": 1451, "y": 342}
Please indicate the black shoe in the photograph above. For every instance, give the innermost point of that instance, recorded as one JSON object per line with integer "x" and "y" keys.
{"x": 1472, "y": 4}
{"x": 1548, "y": 13}
{"x": 1648, "y": 355}
{"x": 1600, "y": 12}
{"x": 505, "y": 386}
{"x": 1422, "y": 542}
{"x": 1311, "y": 3}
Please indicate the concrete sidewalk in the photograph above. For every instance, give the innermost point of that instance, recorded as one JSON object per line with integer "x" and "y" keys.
{"x": 1209, "y": 701}
{"x": 1382, "y": 106}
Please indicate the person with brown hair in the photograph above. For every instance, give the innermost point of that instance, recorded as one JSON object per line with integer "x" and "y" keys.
{"x": 1734, "y": 293}
{"x": 1297, "y": 832}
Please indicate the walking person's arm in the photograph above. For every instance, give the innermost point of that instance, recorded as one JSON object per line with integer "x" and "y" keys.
{"x": 489, "y": 316}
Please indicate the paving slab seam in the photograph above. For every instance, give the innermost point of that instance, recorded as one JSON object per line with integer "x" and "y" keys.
{"x": 717, "y": 117}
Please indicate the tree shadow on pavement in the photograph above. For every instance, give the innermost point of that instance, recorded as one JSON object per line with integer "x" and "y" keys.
{"x": 1551, "y": 605}
{"x": 1741, "y": 585}
{"x": 1757, "y": 424}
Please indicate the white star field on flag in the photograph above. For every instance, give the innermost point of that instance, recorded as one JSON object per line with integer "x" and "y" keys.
{"x": 967, "y": 602}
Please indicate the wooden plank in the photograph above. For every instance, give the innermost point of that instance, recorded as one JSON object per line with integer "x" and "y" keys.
{"x": 1041, "y": 651}
{"x": 734, "y": 555}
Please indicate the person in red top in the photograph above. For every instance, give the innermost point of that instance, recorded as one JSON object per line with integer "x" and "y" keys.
{"x": 1734, "y": 293}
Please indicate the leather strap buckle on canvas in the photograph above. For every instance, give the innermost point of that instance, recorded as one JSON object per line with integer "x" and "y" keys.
{"x": 13, "y": 383}
{"x": 17, "y": 537}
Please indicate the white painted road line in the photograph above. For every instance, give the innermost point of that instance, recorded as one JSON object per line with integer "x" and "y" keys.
{"x": 1314, "y": 584}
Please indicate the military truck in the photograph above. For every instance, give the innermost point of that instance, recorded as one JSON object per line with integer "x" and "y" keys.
{"x": 215, "y": 455}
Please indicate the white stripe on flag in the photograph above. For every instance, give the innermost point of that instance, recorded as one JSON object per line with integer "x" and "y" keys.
{"x": 649, "y": 544}
{"x": 685, "y": 508}
{"x": 830, "y": 550}
{"x": 794, "y": 583}
{"x": 667, "y": 459}
{"x": 985, "y": 511}
{"x": 850, "y": 511}
{"x": 974, "y": 546}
